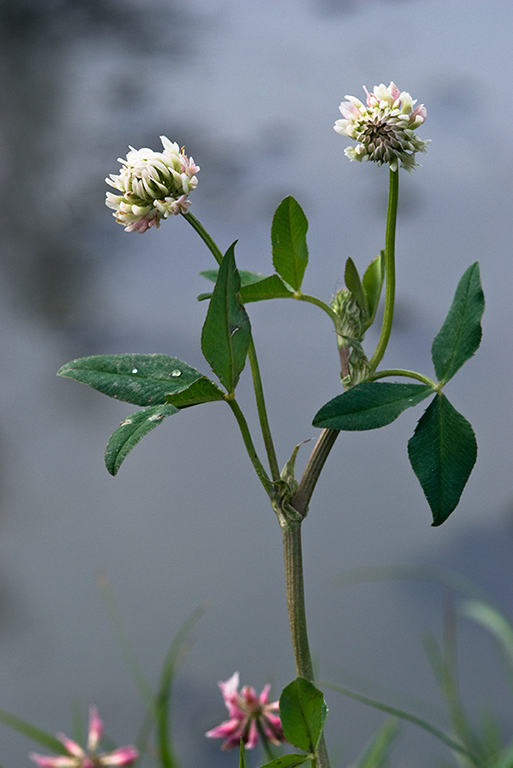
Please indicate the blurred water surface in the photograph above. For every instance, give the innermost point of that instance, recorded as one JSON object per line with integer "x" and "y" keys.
{"x": 252, "y": 90}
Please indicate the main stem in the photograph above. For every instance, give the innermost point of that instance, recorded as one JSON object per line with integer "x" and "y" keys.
{"x": 294, "y": 579}
{"x": 292, "y": 549}
{"x": 294, "y": 576}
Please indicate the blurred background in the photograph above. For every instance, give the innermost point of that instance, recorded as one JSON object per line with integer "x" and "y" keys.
{"x": 252, "y": 89}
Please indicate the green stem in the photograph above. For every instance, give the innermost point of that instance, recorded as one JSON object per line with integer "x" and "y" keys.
{"x": 250, "y": 448}
{"x": 318, "y": 303}
{"x": 262, "y": 412}
{"x": 393, "y": 197}
{"x": 406, "y": 373}
{"x": 313, "y": 469}
{"x": 294, "y": 580}
{"x": 265, "y": 742}
{"x": 293, "y": 560}
{"x": 202, "y": 232}
{"x": 255, "y": 370}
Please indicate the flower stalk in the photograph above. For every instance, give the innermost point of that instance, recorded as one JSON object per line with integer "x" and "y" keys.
{"x": 388, "y": 316}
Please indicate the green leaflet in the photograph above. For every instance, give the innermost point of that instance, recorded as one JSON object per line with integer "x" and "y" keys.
{"x": 272, "y": 287}
{"x": 303, "y": 713}
{"x": 287, "y": 761}
{"x": 370, "y": 405}
{"x": 442, "y": 452}
{"x": 131, "y": 430}
{"x": 354, "y": 284}
{"x": 201, "y": 391}
{"x": 366, "y": 291}
{"x": 288, "y": 236}
{"x": 226, "y": 332}
{"x": 460, "y": 335}
{"x": 138, "y": 379}
{"x": 372, "y": 283}
{"x": 246, "y": 278}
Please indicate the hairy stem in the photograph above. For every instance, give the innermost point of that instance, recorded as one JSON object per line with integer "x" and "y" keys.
{"x": 294, "y": 580}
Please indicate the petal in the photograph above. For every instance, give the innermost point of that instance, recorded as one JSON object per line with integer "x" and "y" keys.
{"x": 170, "y": 146}
{"x": 232, "y": 731}
{"x": 72, "y": 746}
{"x": 250, "y": 697}
{"x": 251, "y": 739}
{"x": 271, "y": 726}
{"x": 226, "y": 729}
{"x": 59, "y": 761}
{"x": 95, "y": 729}
{"x": 394, "y": 91}
{"x": 231, "y": 695}
{"x": 121, "y": 756}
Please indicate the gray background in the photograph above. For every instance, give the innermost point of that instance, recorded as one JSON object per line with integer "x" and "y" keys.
{"x": 252, "y": 89}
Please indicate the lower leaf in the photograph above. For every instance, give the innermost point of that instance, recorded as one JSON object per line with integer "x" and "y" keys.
{"x": 303, "y": 713}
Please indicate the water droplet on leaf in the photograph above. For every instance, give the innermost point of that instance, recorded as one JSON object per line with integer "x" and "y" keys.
{"x": 134, "y": 370}
{"x": 176, "y": 372}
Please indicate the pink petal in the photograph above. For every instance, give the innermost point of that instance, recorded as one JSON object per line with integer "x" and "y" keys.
{"x": 271, "y": 726}
{"x": 53, "y": 762}
{"x": 420, "y": 112}
{"x": 250, "y": 697}
{"x": 349, "y": 110}
{"x": 226, "y": 729}
{"x": 251, "y": 739}
{"x": 121, "y": 756}
{"x": 264, "y": 696}
{"x": 394, "y": 91}
{"x": 232, "y": 731}
{"x": 231, "y": 696}
{"x": 72, "y": 746}
{"x": 95, "y": 729}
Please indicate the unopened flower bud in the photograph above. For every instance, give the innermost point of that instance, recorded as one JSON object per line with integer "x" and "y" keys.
{"x": 351, "y": 317}
{"x": 351, "y": 325}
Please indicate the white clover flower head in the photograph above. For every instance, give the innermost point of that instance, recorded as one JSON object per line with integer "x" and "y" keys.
{"x": 151, "y": 186}
{"x": 384, "y": 127}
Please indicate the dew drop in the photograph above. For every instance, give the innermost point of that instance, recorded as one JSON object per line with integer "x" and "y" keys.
{"x": 135, "y": 370}
{"x": 176, "y": 372}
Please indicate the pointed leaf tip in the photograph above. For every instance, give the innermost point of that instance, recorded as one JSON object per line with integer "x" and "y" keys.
{"x": 442, "y": 452}
{"x": 460, "y": 335}
{"x": 370, "y": 405}
{"x": 131, "y": 431}
{"x": 288, "y": 236}
{"x": 226, "y": 332}
{"x": 142, "y": 380}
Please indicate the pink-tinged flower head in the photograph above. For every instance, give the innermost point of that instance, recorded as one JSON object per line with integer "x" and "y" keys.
{"x": 152, "y": 186}
{"x": 249, "y": 715}
{"x": 384, "y": 127}
{"x": 88, "y": 758}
